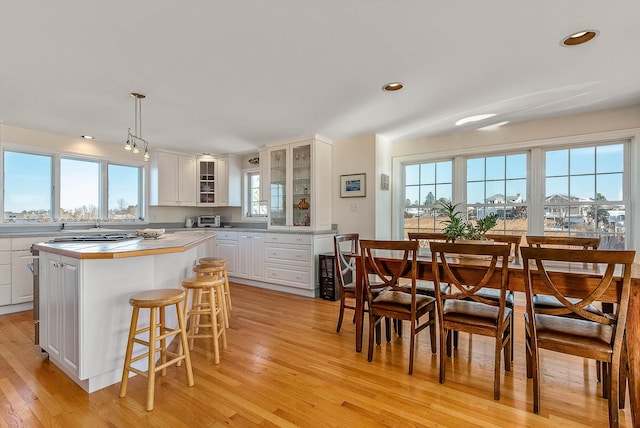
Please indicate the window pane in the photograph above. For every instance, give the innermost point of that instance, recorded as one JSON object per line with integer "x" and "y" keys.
{"x": 495, "y": 168}
{"x": 556, "y": 186}
{"x": 475, "y": 193}
{"x": 495, "y": 192}
{"x": 517, "y": 166}
{"x": 557, "y": 163}
{"x": 582, "y": 186}
{"x": 124, "y": 192}
{"x": 427, "y": 173}
{"x": 609, "y": 186}
{"x": 610, "y": 158}
{"x": 582, "y": 160}
{"x": 475, "y": 169}
{"x": 443, "y": 192}
{"x": 27, "y": 187}
{"x": 79, "y": 190}
{"x": 444, "y": 171}
{"x": 516, "y": 191}
{"x": 412, "y": 195}
{"x": 427, "y": 195}
{"x": 412, "y": 174}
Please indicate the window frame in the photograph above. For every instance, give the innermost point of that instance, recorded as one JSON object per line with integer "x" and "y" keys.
{"x": 104, "y": 162}
{"x": 246, "y": 195}
{"x": 535, "y": 174}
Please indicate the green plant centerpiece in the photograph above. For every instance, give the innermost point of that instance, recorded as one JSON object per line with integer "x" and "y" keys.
{"x": 456, "y": 228}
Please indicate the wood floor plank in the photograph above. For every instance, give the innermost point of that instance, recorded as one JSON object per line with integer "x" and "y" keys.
{"x": 285, "y": 366}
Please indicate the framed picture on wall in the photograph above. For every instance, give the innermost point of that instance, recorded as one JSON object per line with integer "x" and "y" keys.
{"x": 353, "y": 186}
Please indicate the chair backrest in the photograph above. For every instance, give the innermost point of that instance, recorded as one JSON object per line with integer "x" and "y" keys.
{"x": 345, "y": 269}
{"x": 373, "y": 253}
{"x": 425, "y": 238}
{"x": 513, "y": 240}
{"x": 491, "y": 269}
{"x": 563, "y": 242}
{"x": 540, "y": 279}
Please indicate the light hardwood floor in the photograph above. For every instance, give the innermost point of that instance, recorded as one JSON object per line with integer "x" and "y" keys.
{"x": 286, "y": 366}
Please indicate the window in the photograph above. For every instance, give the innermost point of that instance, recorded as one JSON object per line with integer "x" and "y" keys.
{"x": 498, "y": 185}
{"x": 85, "y": 190}
{"x": 426, "y": 185}
{"x": 254, "y": 206}
{"x": 124, "y": 195}
{"x": 584, "y": 193}
{"x": 28, "y": 187}
{"x": 578, "y": 189}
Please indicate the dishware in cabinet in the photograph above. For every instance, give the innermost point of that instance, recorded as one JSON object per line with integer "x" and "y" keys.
{"x": 207, "y": 172}
{"x": 300, "y": 184}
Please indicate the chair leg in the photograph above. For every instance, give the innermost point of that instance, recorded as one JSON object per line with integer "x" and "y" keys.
{"x": 127, "y": 359}
{"x": 606, "y": 379}
{"x": 528, "y": 357}
{"x": 449, "y": 334}
{"x": 622, "y": 378}
{"x": 432, "y": 331}
{"x": 496, "y": 368}
{"x": 151, "y": 371}
{"x": 184, "y": 344}
{"x": 412, "y": 345}
{"x": 598, "y": 370}
{"x": 387, "y": 328}
{"x": 535, "y": 372}
{"x": 342, "y": 303}
{"x": 372, "y": 325}
{"x": 163, "y": 341}
{"x": 444, "y": 334}
{"x": 455, "y": 340}
{"x": 614, "y": 369}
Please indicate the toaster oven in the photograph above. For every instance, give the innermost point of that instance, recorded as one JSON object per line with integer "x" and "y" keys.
{"x": 209, "y": 221}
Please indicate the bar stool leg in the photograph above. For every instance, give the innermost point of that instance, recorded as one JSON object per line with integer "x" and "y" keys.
{"x": 222, "y": 314}
{"x": 127, "y": 359}
{"x": 151, "y": 371}
{"x": 183, "y": 341}
{"x": 163, "y": 341}
{"x": 214, "y": 326}
{"x": 227, "y": 291}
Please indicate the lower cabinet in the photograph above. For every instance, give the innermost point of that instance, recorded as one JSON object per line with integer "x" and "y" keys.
{"x": 5, "y": 271}
{"x": 250, "y": 255}
{"x": 60, "y": 309}
{"x": 228, "y": 249}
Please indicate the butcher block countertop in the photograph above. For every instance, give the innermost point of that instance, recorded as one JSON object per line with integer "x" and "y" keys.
{"x": 168, "y": 243}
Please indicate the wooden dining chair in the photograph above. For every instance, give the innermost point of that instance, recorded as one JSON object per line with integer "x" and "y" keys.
{"x": 387, "y": 299}
{"x": 345, "y": 270}
{"x": 463, "y": 308}
{"x": 585, "y": 334}
{"x": 424, "y": 241}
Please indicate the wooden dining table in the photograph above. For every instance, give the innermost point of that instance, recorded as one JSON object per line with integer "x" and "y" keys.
{"x": 573, "y": 274}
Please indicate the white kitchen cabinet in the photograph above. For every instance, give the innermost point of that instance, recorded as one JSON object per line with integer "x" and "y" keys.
{"x": 21, "y": 276}
{"x": 219, "y": 181}
{"x": 5, "y": 271}
{"x": 59, "y": 309}
{"x": 173, "y": 179}
{"x": 228, "y": 250}
{"x": 264, "y": 174}
{"x": 299, "y": 184}
{"x": 250, "y": 255}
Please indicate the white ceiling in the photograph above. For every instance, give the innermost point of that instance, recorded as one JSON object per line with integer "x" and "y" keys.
{"x": 231, "y": 76}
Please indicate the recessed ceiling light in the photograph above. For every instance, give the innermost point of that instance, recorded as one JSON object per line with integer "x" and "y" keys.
{"x": 87, "y": 137}
{"x": 494, "y": 126}
{"x": 474, "y": 118}
{"x": 393, "y": 86}
{"x": 579, "y": 38}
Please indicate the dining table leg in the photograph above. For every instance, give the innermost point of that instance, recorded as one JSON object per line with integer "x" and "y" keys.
{"x": 633, "y": 346}
{"x": 359, "y": 305}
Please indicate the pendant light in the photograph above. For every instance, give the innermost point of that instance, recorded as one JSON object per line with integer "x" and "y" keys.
{"x": 136, "y": 136}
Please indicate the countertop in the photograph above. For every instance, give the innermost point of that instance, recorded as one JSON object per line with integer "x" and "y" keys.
{"x": 168, "y": 243}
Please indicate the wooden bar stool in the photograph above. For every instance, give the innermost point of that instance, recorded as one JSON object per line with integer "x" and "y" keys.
{"x": 212, "y": 306}
{"x": 218, "y": 273}
{"x": 214, "y": 261}
{"x": 156, "y": 301}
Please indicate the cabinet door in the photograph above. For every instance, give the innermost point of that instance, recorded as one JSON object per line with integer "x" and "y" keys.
{"x": 68, "y": 271}
{"x": 278, "y": 187}
{"x": 21, "y": 277}
{"x": 223, "y": 182}
{"x": 164, "y": 179}
{"x": 228, "y": 250}
{"x": 53, "y": 308}
{"x": 302, "y": 191}
{"x": 188, "y": 183}
{"x": 5, "y": 278}
{"x": 244, "y": 255}
{"x": 207, "y": 180}
{"x": 257, "y": 257}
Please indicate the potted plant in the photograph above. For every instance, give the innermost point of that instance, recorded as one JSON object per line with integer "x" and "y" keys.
{"x": 456, "y": 228}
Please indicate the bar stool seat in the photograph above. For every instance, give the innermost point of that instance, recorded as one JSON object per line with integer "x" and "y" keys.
{"x": 156, "y": 301}
{"x": 197, "y": 288}
{"x": 215, "y": 261}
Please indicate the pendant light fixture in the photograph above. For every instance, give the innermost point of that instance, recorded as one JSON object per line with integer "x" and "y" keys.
{"x": 133, "y": 139}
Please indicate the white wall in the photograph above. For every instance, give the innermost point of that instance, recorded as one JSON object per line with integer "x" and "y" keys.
{"x": 383, "y": 208}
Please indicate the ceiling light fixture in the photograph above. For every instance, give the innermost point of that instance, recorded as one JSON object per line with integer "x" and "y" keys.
{"x": 133, "y": 139}
{"x": 87, "y": 137}
{"x": 393, "y": 86}
{"x": 579, "y": 38}
{"x": 475, "y": 118}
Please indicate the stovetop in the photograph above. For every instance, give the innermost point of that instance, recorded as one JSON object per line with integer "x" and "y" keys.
{"x": 102, "y": 237}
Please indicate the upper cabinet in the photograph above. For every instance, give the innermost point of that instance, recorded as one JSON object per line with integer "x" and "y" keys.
{"x": 173, "y": 178}
{"x": 299, "y": 177}
{"x": 219, "y": 181}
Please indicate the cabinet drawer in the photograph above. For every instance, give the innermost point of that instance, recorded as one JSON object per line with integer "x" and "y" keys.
{"x": 288, "y": 238}
{"x": 229, "y": 236}
{"x": 295, "y": 255}
{"x": 300, "y": 278}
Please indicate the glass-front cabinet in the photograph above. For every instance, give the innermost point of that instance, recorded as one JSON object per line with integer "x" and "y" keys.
{"x": 300, "y": 184}
{"x": 206, "y": 180}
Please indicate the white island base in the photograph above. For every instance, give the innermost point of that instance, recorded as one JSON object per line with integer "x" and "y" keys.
{"x": 84, "y": 307}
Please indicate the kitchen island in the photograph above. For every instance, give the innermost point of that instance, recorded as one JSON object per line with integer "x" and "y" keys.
{"x": 84, "y": 297}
